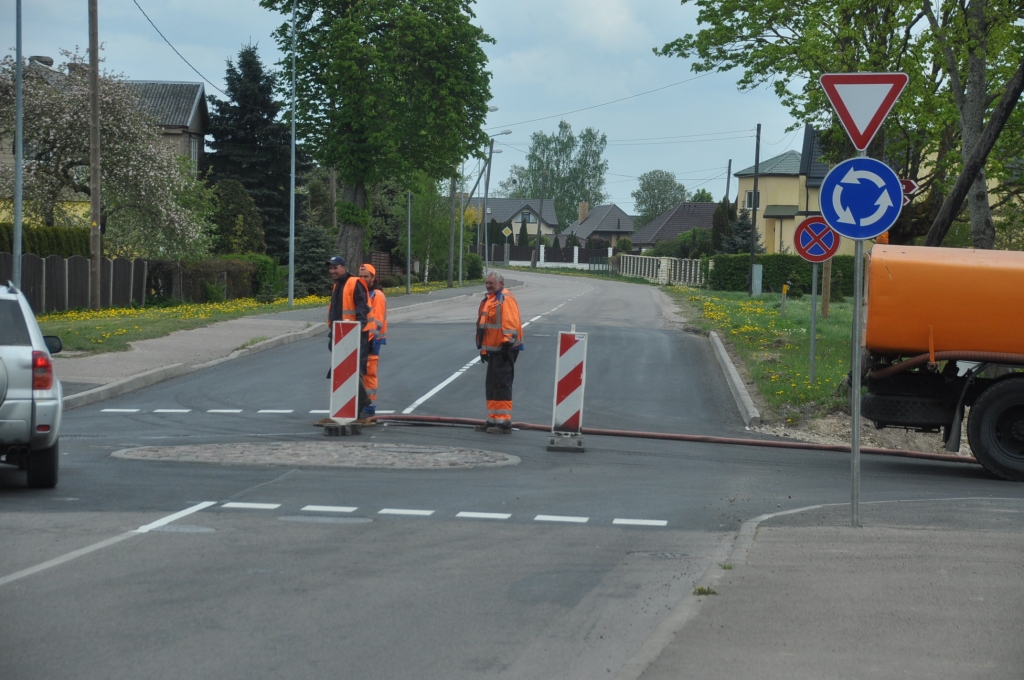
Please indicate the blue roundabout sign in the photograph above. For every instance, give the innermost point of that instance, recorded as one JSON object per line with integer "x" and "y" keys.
{"x": 861, "y": 198}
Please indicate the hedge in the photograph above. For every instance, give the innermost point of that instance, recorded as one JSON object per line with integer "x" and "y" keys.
{"x": 730, "y": 272}
{"x": 44, "y": 241}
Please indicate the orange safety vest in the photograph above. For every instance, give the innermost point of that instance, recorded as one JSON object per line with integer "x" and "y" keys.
{"x": 348, "y": 298}
{"x": 377, "y": 322}
{"x": 498, "y": 322}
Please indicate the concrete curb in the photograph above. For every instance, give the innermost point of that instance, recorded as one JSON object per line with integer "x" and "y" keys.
{"x": 751, "y": 416}
{"x": 155, "y": 375}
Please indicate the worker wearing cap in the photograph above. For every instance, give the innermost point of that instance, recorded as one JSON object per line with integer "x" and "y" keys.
{"x": 350, "y": 302}
{"x": 499, "y": 337}
{"x": 377, "y": 331}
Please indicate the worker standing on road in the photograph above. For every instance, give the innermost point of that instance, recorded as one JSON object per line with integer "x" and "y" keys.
{"x": 377, "y": 326}
{"x": 350, "y": 301}
{"x": 499, "y": 337}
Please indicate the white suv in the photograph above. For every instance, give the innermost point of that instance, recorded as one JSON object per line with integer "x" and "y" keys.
{"x": 30, "y": 397}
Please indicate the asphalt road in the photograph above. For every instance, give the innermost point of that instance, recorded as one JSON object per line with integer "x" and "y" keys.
{"x": 547, "y": 582}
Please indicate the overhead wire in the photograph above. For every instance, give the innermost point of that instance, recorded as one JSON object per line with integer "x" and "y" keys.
{"x": 176, "y": 49}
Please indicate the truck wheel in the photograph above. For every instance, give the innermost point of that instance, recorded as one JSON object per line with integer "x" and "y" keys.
{"x": 42, "y": 467}
{"x": 995, "y": 429}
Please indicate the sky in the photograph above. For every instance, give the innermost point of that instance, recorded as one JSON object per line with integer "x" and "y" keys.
{"x": 551, "y": 57}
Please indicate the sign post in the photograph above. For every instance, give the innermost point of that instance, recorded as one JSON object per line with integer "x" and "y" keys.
{"x": 860, "y": 198}
{"x": 816, "y": 242}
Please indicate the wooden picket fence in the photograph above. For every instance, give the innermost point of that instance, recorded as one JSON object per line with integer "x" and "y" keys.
{"x": 57, "y": 284}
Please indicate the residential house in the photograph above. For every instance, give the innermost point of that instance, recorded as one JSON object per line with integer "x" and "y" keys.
{"x": 608, "y": 222}
{"x": 181, "y": 112}
{"x": 789, "y": 185}
{"x": 670, "y": 224}
{"x": 514, "y": 212}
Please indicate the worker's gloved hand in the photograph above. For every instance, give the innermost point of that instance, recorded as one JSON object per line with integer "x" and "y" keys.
{"x": 505, "y": 349}
{"x": 483, "y": 357}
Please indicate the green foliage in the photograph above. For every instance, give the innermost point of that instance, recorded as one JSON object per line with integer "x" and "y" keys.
{"x": 724, "y": 215}
{"x": 524, "y": 236}
{"x": 1010, "y": 228}
{"x": 238, "y": 227}
{"x": 268, "y": 278}
{"x": 689, "y": 245}
{"x": 45, "y": 241}
{"x": 741, "y": 233}
{"x": 572, "y": 240}
{"x": 574, "y": 167}
{"x": 702, "y": 196}
{"x": 214, "y": 293}
{"x": 251, "y": 144}
{"x": 730, "y": 273}
{"x": 657, "y": 193}
{"x": 349, "y": 213}
{"x": 314, "y": 245}
{"x": 624, "y": 245}
{"x": 473, "y": 266}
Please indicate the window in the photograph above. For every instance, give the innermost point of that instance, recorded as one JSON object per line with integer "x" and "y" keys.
{"x": 528, "y": 218}
{"x": 750, "y": 200}
{"x": 13, "y": 330}
{"x": 194, "y": 155}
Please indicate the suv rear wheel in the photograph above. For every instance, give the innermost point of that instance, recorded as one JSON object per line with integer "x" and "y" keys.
{"x": 996, "y": 429}
{"x": 42, "y": 467}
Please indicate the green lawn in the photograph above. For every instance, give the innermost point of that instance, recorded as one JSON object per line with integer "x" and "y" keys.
{"x": 776, "y": 349}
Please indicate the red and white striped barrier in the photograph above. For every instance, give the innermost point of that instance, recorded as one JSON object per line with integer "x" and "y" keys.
{"x": 570, "y": 379}
{"x": 345, "y": 372}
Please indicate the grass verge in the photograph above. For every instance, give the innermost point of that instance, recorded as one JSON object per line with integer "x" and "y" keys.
{"x": 111, "y": 330}
{"x": 776, "y": 349}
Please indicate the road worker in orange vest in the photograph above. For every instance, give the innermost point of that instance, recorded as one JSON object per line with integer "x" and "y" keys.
{"x": 350, "y": 301}
{"x": 377, "y": 326}
{"x": 499, "y": 337}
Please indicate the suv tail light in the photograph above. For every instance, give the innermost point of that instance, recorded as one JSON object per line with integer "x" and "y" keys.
{"x": 42, "y": 371}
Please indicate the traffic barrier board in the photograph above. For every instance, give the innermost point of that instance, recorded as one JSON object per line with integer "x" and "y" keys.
{"x": 814, "y": 240}
{"x": 862, "y": 101}
{"x": 570, "y": 379}
{"x": 345, "y": 371}
{"x": 860, "y": 198}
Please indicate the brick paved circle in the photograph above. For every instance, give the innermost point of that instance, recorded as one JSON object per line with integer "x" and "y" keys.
{"x": 324, "y": 454}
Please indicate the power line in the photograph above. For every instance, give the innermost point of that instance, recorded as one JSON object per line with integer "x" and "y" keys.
{"x": 681, "y": 141}
{"x": 596, "y": 106}
{"x": 176, "y": 49}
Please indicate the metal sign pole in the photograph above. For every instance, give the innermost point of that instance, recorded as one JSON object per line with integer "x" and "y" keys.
{"x": 814, "y": 314}
{"x": 858, "y": 294}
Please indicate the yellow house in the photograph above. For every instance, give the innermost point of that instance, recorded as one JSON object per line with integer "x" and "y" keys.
{"x": 788, "y": 185}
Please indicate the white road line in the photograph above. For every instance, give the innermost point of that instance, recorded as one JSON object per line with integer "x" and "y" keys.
{"x": 416, "y": 404}
{"x": 484, "y": 515}
{"x": 399, "y": 511}
{"x": 252, "y": 506}
{"x": 172, "y": 410}
{"x": 536, "y": 317}
{"x": 641, "y": 522}
{"x": 560, "y": 518}
{"x": 176, "y": 516}
{"x": 329, "y": 508}
{"x": 276, "y": 410}
{"x": 120, "y": 410}
{"x": 74, "y": 554}
{"x": 224, "y": 410}
{"x": 383, "y": 413}
{"x": 319, "y": 412}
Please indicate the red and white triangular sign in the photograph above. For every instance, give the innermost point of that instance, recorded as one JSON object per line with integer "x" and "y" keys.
{"x": 863, "y": 100}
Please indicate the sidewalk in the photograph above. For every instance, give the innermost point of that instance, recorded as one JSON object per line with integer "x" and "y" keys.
{"x": 93, "y": 377}
{"x": 924, "y": 590}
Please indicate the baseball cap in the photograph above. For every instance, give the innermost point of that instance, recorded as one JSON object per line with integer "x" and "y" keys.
{"x": 368, "y": 267}
{"x": 336, "y": 260}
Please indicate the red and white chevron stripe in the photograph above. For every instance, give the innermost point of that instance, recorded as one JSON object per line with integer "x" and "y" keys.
{"x": 570, "y": 379}
{"x": 345, "y": 372}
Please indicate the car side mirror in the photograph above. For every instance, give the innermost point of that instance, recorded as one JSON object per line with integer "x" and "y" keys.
{"x": 53, "y": 343}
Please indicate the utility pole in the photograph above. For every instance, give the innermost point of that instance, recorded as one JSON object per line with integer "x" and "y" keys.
{"x": 95, "y": 239}
{"x": 291, "y": 203}
{"x": 451, "y": 236}
{"x": 754, "y": 205}
{"x": 487, "y": 186}
{"x": 540, "y": 217}
{"x": 408, "y": 243}
{"x": 728, "y": 176}
{"x": 19, "y": 150}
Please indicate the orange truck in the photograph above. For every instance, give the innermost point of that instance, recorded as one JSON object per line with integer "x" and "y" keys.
{"x": 944, "y": 332}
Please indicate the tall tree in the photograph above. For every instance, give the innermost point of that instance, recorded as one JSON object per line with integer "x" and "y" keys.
{"x": 741, "y": 231}
{"x": 252, "y": 144}
{"x": 702, "y": 196}
{"x": 658, "y": 192}
{"x": 153, "y": 206}
{"x": 724, "y": 215}
{"x": 237, "y": 222}
{"x": 386, "y": 89}
{"x": 575, "y": 167}
{"x": 959, "y": 56}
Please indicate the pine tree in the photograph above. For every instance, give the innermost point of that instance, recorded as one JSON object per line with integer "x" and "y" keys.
{"x": 238, "y": 227}
{"x": 724, "y": 214}
{"x": 742, "y": 231}
{"x": 524, "y": 236}
{"x": 252, "y": 144}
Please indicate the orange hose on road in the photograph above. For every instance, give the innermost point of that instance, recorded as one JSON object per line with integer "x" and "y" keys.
{"x": 696, "y": 438}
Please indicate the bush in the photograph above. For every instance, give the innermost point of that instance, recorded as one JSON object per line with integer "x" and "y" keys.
{"x": 45, "y": 241}
{"x": 624, "y": 245}
{"x": 268, "y": 280}
{"x": 389, "y": 281}
{"x": 730, "y": 273}
{"x": 473, "y": 266}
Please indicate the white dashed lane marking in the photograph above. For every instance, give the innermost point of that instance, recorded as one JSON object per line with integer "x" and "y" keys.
{"x": 400, "y": 511}
{"x": 120, "y": 410}
{"x": 172, "y": 410}
{"x": 276, "y": 410}
{"x": 560, "y": 518}
{"x": 641, "y": 522}
{"x": 484, "y": 515}
{"x": 224, "y": 410}
{"x": 252, "y": 506}
{"x": 329, "y": 508}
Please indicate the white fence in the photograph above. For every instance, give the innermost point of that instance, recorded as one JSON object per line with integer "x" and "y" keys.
{"x": 667, "y": 271}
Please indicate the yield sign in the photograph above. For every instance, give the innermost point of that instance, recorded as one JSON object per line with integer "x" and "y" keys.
{"x": 863, "y": 100}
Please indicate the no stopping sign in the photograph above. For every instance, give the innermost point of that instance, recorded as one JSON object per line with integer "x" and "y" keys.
{"x": 815, "y": 241}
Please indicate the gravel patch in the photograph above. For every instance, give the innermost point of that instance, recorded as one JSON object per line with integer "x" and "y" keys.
{"x": 324, "y": 454}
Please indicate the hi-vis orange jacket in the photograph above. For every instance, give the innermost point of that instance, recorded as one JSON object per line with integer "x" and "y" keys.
{"x": 377, "y": 321}
{"x": 498, "y": 323}
{"x": 349, "y": 306}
